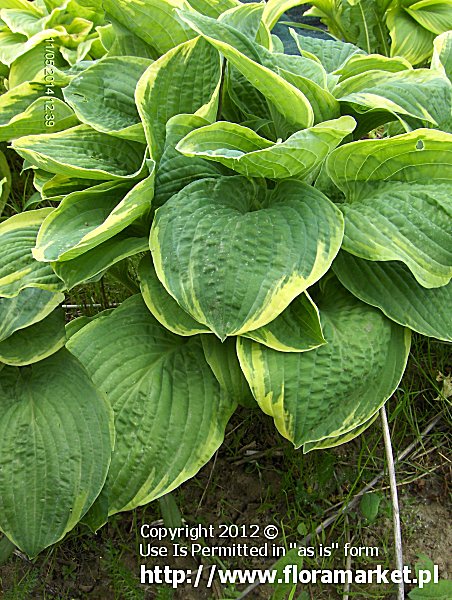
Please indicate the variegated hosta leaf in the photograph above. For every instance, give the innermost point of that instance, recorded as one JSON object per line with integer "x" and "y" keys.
{"x": 100, "y": 258}
{"x": 332, "y": 442}
{"x": 442, "y": 54}
{"x": 125, "y": 43}
{"x": 18, "y": 268}
{"x": 114, "y": 110}
{"x": 246, "y": 152}
{"x": 398, "y": 201}
{"x": 223, "y": 360}
{"x": 88, "y": 218}
{"x": 419, "y": 93}
{"x": 56, "y": 187}
{"x": 408, "y": 39}
{"x": 290, "y": 102}
{"x": 423, "y": 155}
{"x": 175, "y": 171}
{"x": 154, "y": 21}
{"x": 333, "y": 54}
{"x": 32, "y": 121}
{"x": 55, "y": 443}
{"x": 409, "y": 222}
{"x": 14, "y": 45}
{"x": 246, "y": 18}
{"x": 391, "y": 287}
{"x": 29, "y": 66}
{"x": 30, "y": 306}
{"x": 83, "y": 152}
{"x": 170, "y": 410}
{"x": 22, "y": 111}
{"x": 324, "y": 105}
{"x": 213, "y": 8}
{"x": 184, "y": 80}
{"x": 36, "y": 342}
{"x": 5, "y": 181}
{"x": 433, "y": 15}
{"x": 296, "y": 329}
{"x": 274, "y": 9}
{"x": 358, "y": 64}
{"x": 163, "y": 306}
{"x": 334, "y": 389}
{"x": 234, "y": 255}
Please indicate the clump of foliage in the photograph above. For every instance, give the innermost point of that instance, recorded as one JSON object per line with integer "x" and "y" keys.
{"x": 404, "y": 28}
{"x": 291, "y": 215}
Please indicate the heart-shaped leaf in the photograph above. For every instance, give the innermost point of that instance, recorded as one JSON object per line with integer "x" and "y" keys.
{"x": 234, "y": 255}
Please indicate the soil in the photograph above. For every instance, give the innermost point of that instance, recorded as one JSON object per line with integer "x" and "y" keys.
{"x": 244, "y": 485}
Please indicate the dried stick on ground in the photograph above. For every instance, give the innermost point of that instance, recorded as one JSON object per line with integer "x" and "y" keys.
{"x": 395, "y": 500}
{"x": 354, "y": 501}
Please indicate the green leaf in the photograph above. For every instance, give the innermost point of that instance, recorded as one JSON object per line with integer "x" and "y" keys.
{"x": 14, "y": 45}
{"x": 287, "y": 100}
{"x": 62, "y": 437}
{"x": 391, "y": 287}
{"x": 335, "y": 388}
{"x": 85, "y": 219}
{"x": 364, "y": 24}
{"x": 323, "y": 103}
{"x": 296, "y": 329}
{"x": 17, "y": 114}
{"x": 419, "y": 93}
{"x": 234, "y": 256}
{"x": 409, "y": 222}
{"x": 434, "y": 15}
{"x": 246, "y": 152}
{"x": 408, "y": 39}
{"x": 36, "y": 342}
{"x": 113, "y": 111}
{"x": 358, "y": 64}
{"x": 163, "y": 306}
{"x": 83, "y": 152}
{"x": 420, "y": 156}
{"x": 100, "y": 258}
{"x": 175, "y": 170}
{"x": 184, "y": 80}
{"x": 441, "y": 590}
{"x": 30, "y": 306}
{"x": 442, "y": 54}
{"x": 333, "y": 54}
{"x": 154, "y": 21}
{"x": 333, "y": 441}
{"x": 170, "y": 410}
{"x": 246, "y": 18}
{"x": 30, "y": 66}
{"x": 33, "y": 121}
{"x": 126, "y": 43}
{"x": 5, "y": 181}
{"x": 369, "y": 506}
{"x": 213, "y": 8}
{"x": 18, "y": 268}
{"x": 223, "y": 360}
{"x": 274, "y": 9}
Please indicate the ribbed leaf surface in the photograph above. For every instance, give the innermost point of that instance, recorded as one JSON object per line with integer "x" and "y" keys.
{"x": 55, "y": 443}
{"x": 332, "y": 390}
{"x": 170, "y": 412}
{"x": 234, "y": 256}
{"x": 391, "y": 287}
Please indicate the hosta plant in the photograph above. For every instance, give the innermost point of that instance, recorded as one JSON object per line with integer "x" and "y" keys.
{"x": 289, "y": 218}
